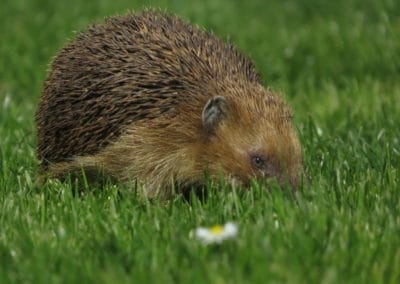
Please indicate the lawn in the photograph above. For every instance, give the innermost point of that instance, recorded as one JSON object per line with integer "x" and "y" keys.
{"x": 338, "y": 65}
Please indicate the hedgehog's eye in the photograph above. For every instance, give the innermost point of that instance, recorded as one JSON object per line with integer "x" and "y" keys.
{"x": 258, "y": 161}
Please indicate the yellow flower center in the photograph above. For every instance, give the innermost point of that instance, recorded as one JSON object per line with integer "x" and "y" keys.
{"x": 216, "y": 230}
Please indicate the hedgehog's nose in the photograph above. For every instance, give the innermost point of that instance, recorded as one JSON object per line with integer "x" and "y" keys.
{"x": 289, "y": 181}
{"x": 294, "y": 182}
{"x": 287, "y": 178}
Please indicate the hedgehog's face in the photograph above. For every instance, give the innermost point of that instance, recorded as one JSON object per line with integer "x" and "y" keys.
{"x": 251, "y": 142}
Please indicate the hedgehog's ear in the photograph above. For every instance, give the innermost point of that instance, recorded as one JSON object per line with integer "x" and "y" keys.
{"x": 214, "y": 111}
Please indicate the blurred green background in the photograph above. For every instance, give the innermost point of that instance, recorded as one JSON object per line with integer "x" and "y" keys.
{"x": 295, "y": 44}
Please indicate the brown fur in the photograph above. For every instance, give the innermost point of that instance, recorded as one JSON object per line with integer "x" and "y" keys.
{"x": 127, "y": 97}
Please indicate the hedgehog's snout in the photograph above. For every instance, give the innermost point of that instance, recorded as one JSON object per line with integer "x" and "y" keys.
{"x": 281, "y": 175}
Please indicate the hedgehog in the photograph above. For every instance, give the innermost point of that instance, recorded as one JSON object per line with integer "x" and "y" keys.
{"x": 150, "y": 100}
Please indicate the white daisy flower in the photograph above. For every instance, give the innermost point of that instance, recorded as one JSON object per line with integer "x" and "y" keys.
{"x": 216, "y": 234}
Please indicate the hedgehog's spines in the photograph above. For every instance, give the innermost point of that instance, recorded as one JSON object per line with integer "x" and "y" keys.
{"x": 129, "y": 96}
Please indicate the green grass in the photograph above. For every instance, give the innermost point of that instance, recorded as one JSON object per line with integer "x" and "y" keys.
{"x": 338, "y": 65}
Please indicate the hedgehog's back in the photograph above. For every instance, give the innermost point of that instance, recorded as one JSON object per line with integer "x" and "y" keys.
{"x": 131, "y": 68}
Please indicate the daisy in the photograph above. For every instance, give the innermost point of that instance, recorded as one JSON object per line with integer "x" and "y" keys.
{"x": 216, "y": 234}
